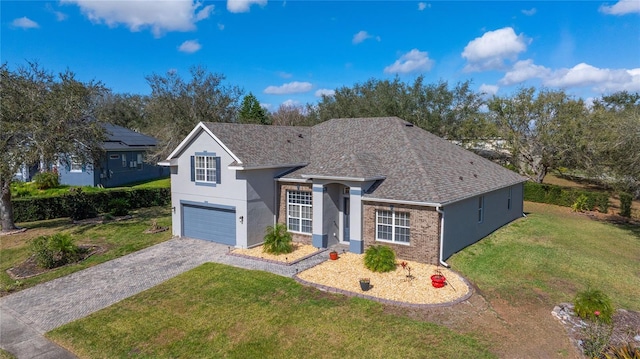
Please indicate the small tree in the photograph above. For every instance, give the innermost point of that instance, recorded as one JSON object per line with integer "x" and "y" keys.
{"x": 278, "y": 240}
{"x": 252, "y": 112}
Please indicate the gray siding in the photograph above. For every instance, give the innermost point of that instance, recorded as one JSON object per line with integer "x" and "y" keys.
{"x": 231, "y": 192}
{"x": 462, "y": 228}
{"x": 331, "y": 212}
{"x": 261, "y": 202}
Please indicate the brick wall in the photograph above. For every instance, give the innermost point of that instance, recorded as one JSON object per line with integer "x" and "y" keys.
{"x": 282, "y": 208}
{"x": 424, "y": 244}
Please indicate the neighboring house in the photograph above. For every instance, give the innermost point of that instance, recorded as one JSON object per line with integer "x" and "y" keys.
{"x": 122, "y": 162}
{"x": 359, "y": 182}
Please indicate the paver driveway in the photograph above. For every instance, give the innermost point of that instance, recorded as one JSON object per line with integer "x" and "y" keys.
{"x": 26, "y": 315}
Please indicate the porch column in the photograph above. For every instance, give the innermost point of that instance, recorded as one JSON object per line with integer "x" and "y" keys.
{"x": 319, "y": 239}
{"x": 356, "y": 244}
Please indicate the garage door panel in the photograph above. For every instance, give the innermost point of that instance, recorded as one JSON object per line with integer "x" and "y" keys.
{"x": 211, "y": 224}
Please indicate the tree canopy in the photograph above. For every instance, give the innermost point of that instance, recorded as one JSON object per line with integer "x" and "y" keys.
{"x": 45, "y": 118}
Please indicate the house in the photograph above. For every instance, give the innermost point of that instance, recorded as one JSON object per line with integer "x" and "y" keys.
{"x": 359, "y": 181}
{"x": 122, "y": 162}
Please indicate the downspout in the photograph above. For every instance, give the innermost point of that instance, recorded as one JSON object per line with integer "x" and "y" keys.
{"x": 439, "y": 210}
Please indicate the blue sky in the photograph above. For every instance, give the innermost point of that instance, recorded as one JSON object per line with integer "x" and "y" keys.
{"x": 289, "y": 52}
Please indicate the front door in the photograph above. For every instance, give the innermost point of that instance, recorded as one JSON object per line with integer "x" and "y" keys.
{"x": 345, "y": 219}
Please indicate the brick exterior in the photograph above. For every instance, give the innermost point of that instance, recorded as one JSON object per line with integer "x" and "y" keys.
{"x": 424, "y": 236}
{"x": 282, "y": 208}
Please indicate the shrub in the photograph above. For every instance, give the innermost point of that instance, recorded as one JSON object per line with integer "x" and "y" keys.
{"x": 46, "y": 180}
{"x": 278, "y": 240}
{"x": 580, "y": 205}
{"x": 593, "y": 304}
{"x": 625, "y": 204}
{"x": 602, "y": 202}
{"x": 54, "y": 251}
{"x": 80, "y": 207}
{"x": 626, "y": 351}
{"x": 119, "y": 207}
{"x": 380, "y": 259}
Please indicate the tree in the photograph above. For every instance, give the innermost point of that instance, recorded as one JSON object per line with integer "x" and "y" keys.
{"x": 126, "y": 110}
{"x": 293, "y": 115}
{"x": 610, "y": 149}
{"x": 541, "y": 130}
{"x": 175, "y": 106}
{"x": 449, "y": 113}
{"x": 44, "y": 118}
{"x": 252, "y": 112}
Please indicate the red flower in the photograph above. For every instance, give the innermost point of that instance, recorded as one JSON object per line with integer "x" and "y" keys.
{"x": 403, "y": 264}
{"x": 597, "y": 313}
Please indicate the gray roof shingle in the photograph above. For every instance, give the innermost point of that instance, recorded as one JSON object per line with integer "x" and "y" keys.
{"x": 416, "y": 165}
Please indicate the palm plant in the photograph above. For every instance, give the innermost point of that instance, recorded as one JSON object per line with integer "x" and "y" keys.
{"x": 278, "y": 240}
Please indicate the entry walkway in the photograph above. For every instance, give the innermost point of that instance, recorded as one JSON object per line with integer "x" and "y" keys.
{"x": 26, "y": 315}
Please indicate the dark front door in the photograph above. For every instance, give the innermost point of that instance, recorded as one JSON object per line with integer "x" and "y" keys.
{"x": 345, "y": 220}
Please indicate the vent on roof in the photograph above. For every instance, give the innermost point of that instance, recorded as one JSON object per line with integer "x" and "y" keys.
{"x": 408, "y": 124}
{"x": 300, "y": 135}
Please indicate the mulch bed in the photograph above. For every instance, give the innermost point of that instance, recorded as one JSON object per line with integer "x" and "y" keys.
{"x": 29, "y": 268}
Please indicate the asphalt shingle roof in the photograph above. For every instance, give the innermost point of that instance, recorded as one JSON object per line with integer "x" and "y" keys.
{"x": 260, "y": 145}
{"x": 416, "y": 165}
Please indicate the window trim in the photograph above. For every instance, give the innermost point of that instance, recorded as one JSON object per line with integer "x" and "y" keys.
{"x": 393, "y": 226}
{"x": 300, "y": 218}
{"x": 215, "y": 166}
{"x": 480, "y": 209}
{"x": 74, "y": 161}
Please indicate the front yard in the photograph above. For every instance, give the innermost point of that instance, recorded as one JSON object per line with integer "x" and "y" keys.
{"x": 521, "y": 272}
{"x": 115, "y": 238}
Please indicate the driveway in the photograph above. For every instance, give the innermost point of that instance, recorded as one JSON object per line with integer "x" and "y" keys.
{"x": 26, "y": 315}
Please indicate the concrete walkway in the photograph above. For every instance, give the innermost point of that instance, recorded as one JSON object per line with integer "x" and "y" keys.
{"x": 26, "y": 315}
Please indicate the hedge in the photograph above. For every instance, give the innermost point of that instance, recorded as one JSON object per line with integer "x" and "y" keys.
{"x": 41, "y": 208}
{"x": 563, "y": 196}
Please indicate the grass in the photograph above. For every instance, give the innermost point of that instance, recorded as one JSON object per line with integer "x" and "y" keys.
{"x": 218, "y": 311}
{"x": 554, "y": 253}
{"x": 6, "y": 355}
{"x": 119, "y": 238}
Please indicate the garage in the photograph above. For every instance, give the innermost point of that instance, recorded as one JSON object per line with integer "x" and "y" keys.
{"x": 209, "y": 222}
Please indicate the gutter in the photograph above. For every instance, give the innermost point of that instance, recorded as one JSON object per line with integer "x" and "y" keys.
{"x": 439, "y": 210}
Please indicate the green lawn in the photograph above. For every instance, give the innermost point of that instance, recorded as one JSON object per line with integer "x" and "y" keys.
{"x": 554, "y": 253}
{"x": 218, "y": 311}
{"x": 119, "y": 238}
{"x": 28, "y": 189}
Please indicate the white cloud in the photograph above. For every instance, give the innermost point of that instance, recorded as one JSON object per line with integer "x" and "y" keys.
{"x": 236, "y": 6}
{"x": 522, "y": 71}
{"x": 25, "y": 23}
{"x": 412, "y": 61}
{"x": 60, "y": 16}
{"x": 220, "y": 26}
{"x": 622, "y": 7}
{"x": 489, "y": 89}
{"x": 363, "y": 35}
{"x": 288, "y": 88}
{"x": 190, "y": 46}
{"x": 159, "y": 16}
{"x": 530, "y": 12}
{"x": 602, "y": 80}
{"x": 423, "y": 5}
{"x": 491, "y": 49}
{"x": 325, "y": 92}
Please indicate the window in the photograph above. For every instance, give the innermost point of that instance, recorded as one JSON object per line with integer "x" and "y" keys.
{"x": 299, "y": 211}
{"x": 139, "y": 162}
{"x": 205, "y": 169}
{"x": 75, "y": 165}
{"x": 509, "y": 198}
{"x": 392, "y": 226}
{"x": 124, "y": 160}
{"x": 480, "y": 209}
{"x": 114, "y": 157}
